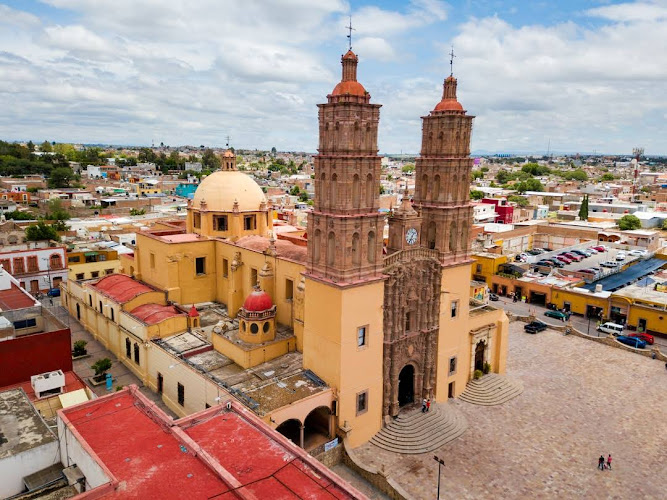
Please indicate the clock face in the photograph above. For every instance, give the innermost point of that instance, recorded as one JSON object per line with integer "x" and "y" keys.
{"x": 411, "y": 236}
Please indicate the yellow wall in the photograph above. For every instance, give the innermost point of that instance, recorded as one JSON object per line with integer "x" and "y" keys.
{"x": 253, "y": 357}
{"x": 579, "y": 300}
{"x": 87, "y": 268}
{"x": 332, "y": 317}
{"x": 489, "y": 266}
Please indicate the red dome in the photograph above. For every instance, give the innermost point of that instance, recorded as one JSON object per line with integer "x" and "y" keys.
{"x": 258, "y": 301}
{"x": 449, "y": 105}
{"x": 349, "y": 87}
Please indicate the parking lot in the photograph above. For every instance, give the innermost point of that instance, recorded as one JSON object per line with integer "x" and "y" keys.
{"x": 594, "y": 260}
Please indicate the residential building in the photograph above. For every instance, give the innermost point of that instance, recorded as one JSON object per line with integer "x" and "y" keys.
{"x": 91, "y": 263}
{"x": 37, "y": 269}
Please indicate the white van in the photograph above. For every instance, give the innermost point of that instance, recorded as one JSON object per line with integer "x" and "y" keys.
{"x": 611, "y": 328}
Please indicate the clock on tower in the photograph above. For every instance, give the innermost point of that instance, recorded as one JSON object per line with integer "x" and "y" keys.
{"x": 403, "y": 224}
{"x": 411, "y": 236}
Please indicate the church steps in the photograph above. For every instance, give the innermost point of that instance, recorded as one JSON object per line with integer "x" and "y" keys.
{"x": 492, "y": 389}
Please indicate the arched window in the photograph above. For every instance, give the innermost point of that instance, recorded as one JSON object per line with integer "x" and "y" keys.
{"x": 333, "y": 202}
{"x": 441, "y": 140}
{"x": 436, "y": 188}
{"x": 316, "y": 245}
{"x": 356, "y": 253}
{"x": 331, "y": 248}
{"x": 356, "y": 195}
{"x": 424, "y": 187}
{"x": 452, "y": 237}
{"x": 321, "y": 187}
{"x": 55, "y": 261}
{"x": 465, "y": 188}
{"x": 451, "y": 195}
{"x": 370, "y": 194}
{"x": 464, "y": 237}
{"x": 431, "y": 235}
{"x": 371, "y": 247}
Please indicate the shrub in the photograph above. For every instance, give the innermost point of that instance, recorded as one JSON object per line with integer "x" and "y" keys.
{"x": 487, "y": 368}
{"x": 101, "y": 366}
{"x": 477, "y": 375}
{"x": 79, "y": 348}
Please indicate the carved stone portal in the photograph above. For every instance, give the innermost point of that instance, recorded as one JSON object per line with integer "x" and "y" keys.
{"x": 411, "y": 312}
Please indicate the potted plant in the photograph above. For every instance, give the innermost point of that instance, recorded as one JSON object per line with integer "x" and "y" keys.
{"x": 487, "y": 368}
{"x": 79, "y": 350}
{"x": 101, "y": 366}
{"x": 477, "y": 374}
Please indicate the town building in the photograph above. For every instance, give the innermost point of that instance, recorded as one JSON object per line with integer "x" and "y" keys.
{"x": 37, "y": 269}
{"x": 90, "y": 262}
{"x": 331, "y": 338}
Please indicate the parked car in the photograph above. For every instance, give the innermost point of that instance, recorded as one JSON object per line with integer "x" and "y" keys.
{"x": 594, "y": 268}
{"x": 611, "y": 328}
{"x": 522, "y": 257}
{"x": 535, "y": 326}
{"x": 643, "y": 336}
{"x": 637, "y": 253}
{"x": 557, "y": 315}
{"x": 592, "y": 250}
{"x": 600, "y": 248}
{"x": 609, "y": 263}
{"x": 564, "y": 259}
{"x": 556, "y": 262}
{"x": 632, "y": 341}
{"x": 545, "y": 262}
{"x": 579, "y": 252}
{"x": 53, "y": 292}
{"x": 620, "y": 256}
{"x": 534, "y": 251}
{"x": 574, "y": 256}
{"x": 493, "y": 297}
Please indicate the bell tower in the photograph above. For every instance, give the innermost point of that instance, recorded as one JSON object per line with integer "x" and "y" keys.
{"x": 442, "y": 178}
{"x": 345, "y": 227}
{"x": 404, "y": 226}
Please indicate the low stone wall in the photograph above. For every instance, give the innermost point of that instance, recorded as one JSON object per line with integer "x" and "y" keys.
{"x": 329, "y": 458}
{"x": 376, "y": 477}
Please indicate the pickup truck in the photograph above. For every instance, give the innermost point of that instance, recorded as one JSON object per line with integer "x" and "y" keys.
{"x": 535, "y": 326}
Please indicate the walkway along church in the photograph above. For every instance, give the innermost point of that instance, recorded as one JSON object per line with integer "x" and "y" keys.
{"x": 324, "y": 339}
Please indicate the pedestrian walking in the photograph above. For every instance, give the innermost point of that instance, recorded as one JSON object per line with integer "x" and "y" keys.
{"x": 424, "y": 405}
{"x": 428, "y": 404}
{"x": 601, "y": 462}
{"x": 609, "y": 462}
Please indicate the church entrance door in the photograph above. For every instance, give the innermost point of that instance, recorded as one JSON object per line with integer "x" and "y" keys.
{"x": 406, "y": 386}
{"x": 479, "y": 356}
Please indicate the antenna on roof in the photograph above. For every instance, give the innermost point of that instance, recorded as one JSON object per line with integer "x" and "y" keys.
{"x": 350, "y": 30}
{"x": 451, "y": 62}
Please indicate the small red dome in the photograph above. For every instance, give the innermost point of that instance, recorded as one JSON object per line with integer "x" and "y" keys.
{"x": 349, "y": 87}
{"x": 193, "y": 312}
{"x": 258, "y": 301}
{"x": 449, "y": 105}
{"x": 350, "y": 55}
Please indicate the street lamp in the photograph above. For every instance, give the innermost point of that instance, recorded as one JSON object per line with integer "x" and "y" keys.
{"x": 441, "y": 462}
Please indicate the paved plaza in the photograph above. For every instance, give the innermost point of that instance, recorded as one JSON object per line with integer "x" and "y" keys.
{"x": 581, "y": 399}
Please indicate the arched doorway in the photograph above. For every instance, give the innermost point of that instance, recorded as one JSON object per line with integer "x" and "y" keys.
{"x": 406, "y": 386}
{"x": 479, "y": 355}
{"x": 291, "y": 429}
{"x": 78, "y": 312}
{"x": 316, "y": 428}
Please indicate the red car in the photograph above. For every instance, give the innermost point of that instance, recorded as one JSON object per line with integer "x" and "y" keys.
{"x": 599, "y": 249}
{"x": 643, "y": 336}
{"x": 574, "y": 256}
{"x": 564, "y": 259}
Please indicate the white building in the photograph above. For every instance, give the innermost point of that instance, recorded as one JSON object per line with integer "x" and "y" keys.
{"x": 37, "y": 269}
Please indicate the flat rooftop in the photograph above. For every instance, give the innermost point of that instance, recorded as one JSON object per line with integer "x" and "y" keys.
{"x": 20, "y": 425}
{"x": 218, "y": 453}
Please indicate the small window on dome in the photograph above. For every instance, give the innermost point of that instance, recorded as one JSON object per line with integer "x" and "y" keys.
{"x": 249, "y": 223}
{"x": 266, "y": 327}
{"x": 196, "y": 220}
{"x": 220, "y": 223}
{"x": 254, "y": 329}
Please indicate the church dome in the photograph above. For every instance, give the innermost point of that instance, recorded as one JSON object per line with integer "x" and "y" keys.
{"x": 449, "y": 101}
{"x": 258, "y": 301}
{"x": 221, "y": 189}
{"x": 448, "y": 105}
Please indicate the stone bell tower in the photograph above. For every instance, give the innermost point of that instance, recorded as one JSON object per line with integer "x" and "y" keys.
{"x": 442, "y": 178}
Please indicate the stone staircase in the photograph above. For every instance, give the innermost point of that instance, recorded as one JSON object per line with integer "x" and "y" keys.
{"x": 490, "y": 390}
{"x": 414, "y": 432}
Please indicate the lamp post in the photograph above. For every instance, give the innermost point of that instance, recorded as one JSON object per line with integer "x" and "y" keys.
{"x": 441, "y": 462}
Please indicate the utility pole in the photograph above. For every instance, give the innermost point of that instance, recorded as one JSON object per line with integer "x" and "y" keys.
{"x": 441, "y": 462}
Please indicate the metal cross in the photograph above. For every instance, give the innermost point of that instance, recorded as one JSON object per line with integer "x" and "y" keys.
{"x": 451, "y": 62}
{"x": 227, "y": 142}
{"x": 350, "y": 29}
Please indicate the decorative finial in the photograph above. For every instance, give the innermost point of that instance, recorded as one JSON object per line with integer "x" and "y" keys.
{"x": 350, "y": 30}
{"x": 451, "y": 62}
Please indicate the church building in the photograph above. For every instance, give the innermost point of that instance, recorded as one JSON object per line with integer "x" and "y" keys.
{"x": 360, "y": 327}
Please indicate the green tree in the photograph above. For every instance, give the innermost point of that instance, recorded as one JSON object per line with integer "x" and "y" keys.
{"x": 519, "y": 200}
{"x": 61, "y": 177}
{"x": 503, "y": 176}
{"x": 41, "y": 231}
{"x": 274, "y": 151}
{"x": 408, "y": 169}
{"x": 628, "y": 222}
{"x": 295, "y": 191}
{"x": 101, "y": 367}
{"x": 476, "y": 195}
{"x": 303, "y": 196}
{"x": 583, "y": 211}
{"x": 529, "y": 185}
{"x": 56, "y": 211}
{"x": 535, "y": 169}
{"x": 31, "y": 146}
{"x": 210, "y": 160}
{"x": 607, "y": 177}
{"x": 477, "y": 174}
{"x": 16, "y": 215}
{"x": 46, "y": 147}
{"x": 60, "y": 225}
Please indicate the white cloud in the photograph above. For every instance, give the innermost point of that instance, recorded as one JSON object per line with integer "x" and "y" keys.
{"x": 631, "y": 12}
{"x": 375, "y": 48}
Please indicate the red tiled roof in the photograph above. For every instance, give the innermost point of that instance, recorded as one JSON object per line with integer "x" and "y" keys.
{"x": 154, "y": 313}
{"x": 15, "y": 298}
{"x": 121, "y": 287}
{"x": 285, "y": 249}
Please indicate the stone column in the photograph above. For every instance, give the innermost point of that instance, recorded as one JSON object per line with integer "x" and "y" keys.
{"x": 301, "y": 429}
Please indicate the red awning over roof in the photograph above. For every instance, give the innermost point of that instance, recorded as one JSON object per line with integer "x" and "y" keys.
{"x": 154, "y": 313}
{"x": 121, "y": 287}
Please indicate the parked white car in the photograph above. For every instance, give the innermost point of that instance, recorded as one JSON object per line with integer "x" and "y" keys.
{"x": 620, "y": 256}
{"x": 638, "y": 253}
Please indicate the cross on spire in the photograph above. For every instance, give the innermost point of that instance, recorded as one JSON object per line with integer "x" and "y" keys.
{"x": 451, "y": 62}
{"x": 350, "y": 30}
{"x": 228, "y": 142}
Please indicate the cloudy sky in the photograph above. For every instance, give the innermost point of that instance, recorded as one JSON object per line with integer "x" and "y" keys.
{"x": 587, "y": 75}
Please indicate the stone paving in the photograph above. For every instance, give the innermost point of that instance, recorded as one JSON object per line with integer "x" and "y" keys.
{"x": 581, "y": 399}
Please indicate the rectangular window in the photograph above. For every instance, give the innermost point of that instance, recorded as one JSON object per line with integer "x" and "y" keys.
{"x": 19, "y": 264}
{"x": 196, "y": 220}
{"x": 25, "y": 323}
{"x": 113, "y": 315}
{"x": 479, "y": 268}
{"x": 75, "y": 258}
{"x": 220, "y": 223}
{"x": 289, "y": 289}
{"x": 408, "y": 321}
{"x": 101, "y": 307}
{"x": 90, "y": 300}
{"x": 152, "y": 261}
{"x": 108, "y": 271}
{"x": 6, "y": 265}
{"x": 361, "y": 336}
{"x": 225, "y": 268}
{"x": 249, "y": 222}
{"x": 452, "y": 365}
{"x": 362, "y": 402}
{"x": 32, "y": 264}
{"x": 136, "y": 353}
{"x": 200, "y": 266}
{"x": 160, "y": 383}
{"x": 79, "y": 276}
{"x": 181, "y": 394}
{"x": 455, "y": 308}
{"x": 128, "y": 349}
{"x": 94, "y": 274}
{"x": 253, "y": 277}
{"x": 101, "y": 258}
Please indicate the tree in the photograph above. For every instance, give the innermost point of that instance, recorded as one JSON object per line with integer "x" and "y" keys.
{"x": 210, "y": 160}
{"x": 137, "y": 211}
{"x": 61, "y": 177}
{"x": 477, "y": 174}
{"x": 303, "y": 196}
{"x": 41, "y": 231}
{"x": 503, "y": 176}
{"x": 79, "y": 348}
{"x": 16, "y": 215}
{"x": 56, "y": 211}
{"x": 476, "y": 195}
{"x": 607, "y": 177}
{"x": 31, "y": 146}
{"x": 46, "y": 147}
{"x": 583, "y": 211}
{"x": 628, "y": 222}
{"x": 519, "y": 200}
{"x": 60, "y": 225}
{"x": 408, "y": 169}
{"x": 295, "y": 191}
{"x": 101, "y": 366}
{"x": 529, "y": 185}
{"x": 273, "y": 151}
